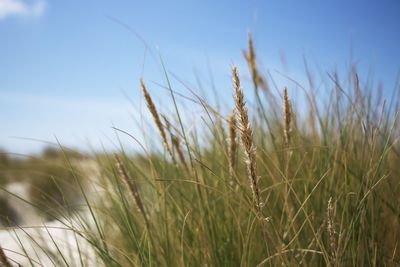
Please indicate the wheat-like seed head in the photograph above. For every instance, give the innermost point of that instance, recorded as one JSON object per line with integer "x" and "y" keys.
{"x": 167, "y": 122}
{"x": 130, "y": 183}
{"x": 331, "y": 228}
{"x": 287, "y": 117}
{"x": 246, "y": 136}
{"x": 3, "y": 259}
{"x": 178, "y": 149}
{"x": 232, "y": 143}
{"x": 156, "y": 117}
{"x": 250, "y": 57}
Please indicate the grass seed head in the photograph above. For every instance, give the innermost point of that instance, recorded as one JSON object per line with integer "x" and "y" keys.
{"x": 331, "y": 228}
{"x": 129, "y": 182}
{"x": 246, "y": 136}
{"x": 250, "y": 57}
{"x": 156, "y": 117}
{"x": 177, "y": 146}
{"x": 287, "y": 117}
{"x": 232, "y": 143}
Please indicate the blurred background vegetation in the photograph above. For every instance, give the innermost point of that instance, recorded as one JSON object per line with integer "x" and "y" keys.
{"x": 47, "y": 181}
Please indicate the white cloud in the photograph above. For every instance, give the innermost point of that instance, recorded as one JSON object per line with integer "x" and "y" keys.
{"x": 21, "y": 8}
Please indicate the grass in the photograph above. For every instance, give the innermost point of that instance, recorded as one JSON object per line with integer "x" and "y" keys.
{"x": 319, "y": 189}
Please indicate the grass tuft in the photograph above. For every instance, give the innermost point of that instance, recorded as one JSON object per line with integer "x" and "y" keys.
{"x": 204, "y": 206}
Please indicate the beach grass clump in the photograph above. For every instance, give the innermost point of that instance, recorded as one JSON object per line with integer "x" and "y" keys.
{"x": 321, "y": 189}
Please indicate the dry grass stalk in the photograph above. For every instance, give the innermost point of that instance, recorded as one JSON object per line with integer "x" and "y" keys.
{"x": 250, "y": 57}
{"x": 232, "y": 143}
{"x": 175, "y": 142}
{"x": 156, "y": 117}
{"x": 178, "y": 149}
{"x": 356, "y": 84}
{"x": 130, "y": 183}
{"x": 3, "y": 259}
{"x": 167, "y": 123}
{"x": 331, "y": 228}
{"x": 246, "y": 136}
{"x": 287, "y": 117}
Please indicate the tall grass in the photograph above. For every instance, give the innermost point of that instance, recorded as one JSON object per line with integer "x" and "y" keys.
{"x": 319, "y": 189}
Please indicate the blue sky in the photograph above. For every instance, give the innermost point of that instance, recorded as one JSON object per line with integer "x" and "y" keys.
{"x": 65, "y": 66}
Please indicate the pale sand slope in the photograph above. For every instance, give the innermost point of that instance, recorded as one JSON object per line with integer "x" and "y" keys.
{"x": 56, "y": 236}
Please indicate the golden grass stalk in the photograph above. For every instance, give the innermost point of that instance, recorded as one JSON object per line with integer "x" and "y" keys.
{"x": 246, "y": 137}
{"x": 177, "y": 146}
{"x": 156, "y": 117}
{"x": 3, "y": 259}
{"x": 167, "y": 123}
{"x": 232, "y": 143}
{"x": 287, "y": 117}
{"x": 250, "y": 58}
{"x": 331, "y": 228}
{"x": 130, "y": 183}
